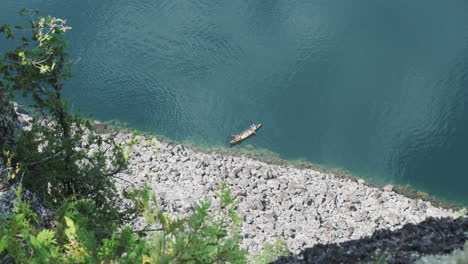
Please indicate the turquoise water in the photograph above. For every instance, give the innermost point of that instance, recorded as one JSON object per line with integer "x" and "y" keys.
{"x": 376, "y": 87}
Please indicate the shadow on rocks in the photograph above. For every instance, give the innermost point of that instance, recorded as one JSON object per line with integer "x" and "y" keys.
{"x": 405, "y": 245}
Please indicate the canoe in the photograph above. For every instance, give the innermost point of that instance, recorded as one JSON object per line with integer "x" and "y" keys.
{"x": 247, "y": 133}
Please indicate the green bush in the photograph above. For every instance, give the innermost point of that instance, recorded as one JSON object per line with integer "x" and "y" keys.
{"x": 54, "y": 159}
{"x": 202, "y": 237}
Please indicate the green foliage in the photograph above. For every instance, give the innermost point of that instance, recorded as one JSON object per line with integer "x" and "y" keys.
{"x": 199, "y": 238}
{"x": 270, "y": 252}
{"x": 19, "y": 237}
{"x": 60, "y": 169}
{"x": 40, "y": 63}
{"x": 203, "y": 237}
{"x": 54, "y": 158}
{"x": 72, "y": 242}
{"x": 147, "y": 142}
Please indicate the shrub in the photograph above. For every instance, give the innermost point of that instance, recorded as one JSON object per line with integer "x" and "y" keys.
{"x": 202, "y": 237}
{"x": 59, "y": 157}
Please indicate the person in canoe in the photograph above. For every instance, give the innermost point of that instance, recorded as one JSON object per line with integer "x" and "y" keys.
{"x": 247, "y": 133}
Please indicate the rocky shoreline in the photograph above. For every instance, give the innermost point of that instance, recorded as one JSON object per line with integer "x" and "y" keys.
{"x": 322, "y": 217}
{"x": 304, "y": 207}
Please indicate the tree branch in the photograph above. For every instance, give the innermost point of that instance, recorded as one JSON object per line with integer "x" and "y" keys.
{"x": 44, "y": 160}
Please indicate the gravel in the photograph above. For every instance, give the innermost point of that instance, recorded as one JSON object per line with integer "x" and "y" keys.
{"x": 304, "y": 207}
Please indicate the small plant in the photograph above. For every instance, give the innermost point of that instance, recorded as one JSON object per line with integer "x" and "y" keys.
{"x": 270, "y": 252}
{"x": 206, "y": 236}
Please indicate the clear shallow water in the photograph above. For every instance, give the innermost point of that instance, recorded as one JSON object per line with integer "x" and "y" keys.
{"x": 376, "y": 87}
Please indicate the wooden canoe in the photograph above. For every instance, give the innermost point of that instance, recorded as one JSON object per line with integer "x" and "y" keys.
{"x": 247, "y": 133}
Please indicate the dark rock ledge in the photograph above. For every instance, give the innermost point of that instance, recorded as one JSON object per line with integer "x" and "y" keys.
{"x": 405, "y": 245}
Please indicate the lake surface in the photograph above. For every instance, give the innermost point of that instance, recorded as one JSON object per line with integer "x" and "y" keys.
{"x": 377, "y": 87}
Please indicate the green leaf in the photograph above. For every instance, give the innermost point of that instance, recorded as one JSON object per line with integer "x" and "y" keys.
{"x": 44, "y": 68}
{"x": 46, "y": 236}
{"x": 3, "y": 243}
{"x": 70, "y": 231}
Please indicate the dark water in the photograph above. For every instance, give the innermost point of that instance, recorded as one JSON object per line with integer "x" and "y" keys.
{"x": 377, "y": 87}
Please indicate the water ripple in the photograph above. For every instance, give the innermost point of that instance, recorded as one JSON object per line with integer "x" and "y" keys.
{"x": 378, "y": 88}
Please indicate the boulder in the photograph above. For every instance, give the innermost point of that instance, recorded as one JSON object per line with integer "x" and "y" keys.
{"x": 388, "y": 188}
